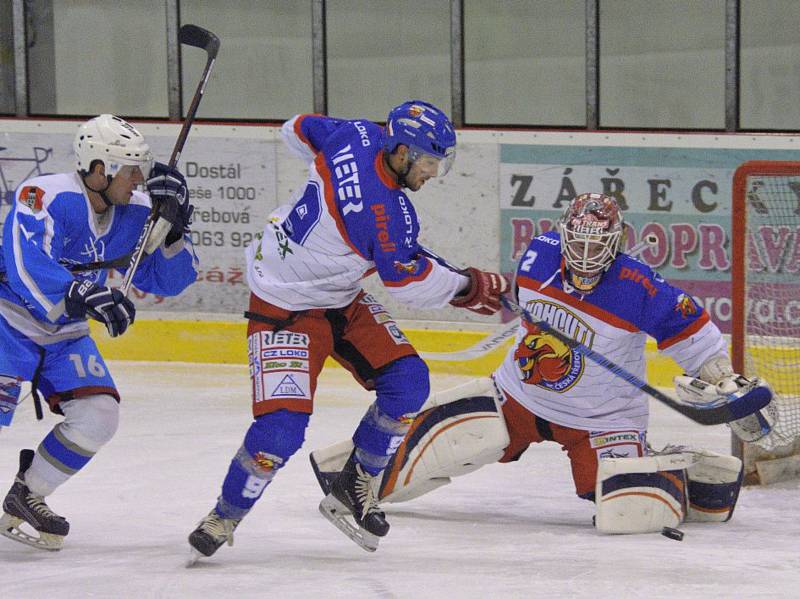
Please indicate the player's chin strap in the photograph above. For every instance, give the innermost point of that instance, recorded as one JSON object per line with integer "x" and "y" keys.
{"x": 101, "y": 193}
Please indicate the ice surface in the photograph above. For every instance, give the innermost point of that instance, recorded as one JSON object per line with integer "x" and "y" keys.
{"x": 508, "y": 530}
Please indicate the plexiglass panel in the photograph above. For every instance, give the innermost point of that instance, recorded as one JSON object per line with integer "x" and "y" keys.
{"x": 770, "y": 69}
{"x": 90, "y": 57}
{"x": 662, "y": 64}
{"x": 263, "y": 69}
{"x": 6, "y": 58}
{"x": 383, "y": 52}
{"x": 525, "y": 62}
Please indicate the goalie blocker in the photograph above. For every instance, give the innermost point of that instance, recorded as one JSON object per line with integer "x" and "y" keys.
{"x": 462, "y": 429}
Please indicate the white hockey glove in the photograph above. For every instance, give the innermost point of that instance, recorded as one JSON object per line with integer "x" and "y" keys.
{"x": 716, "y": 381}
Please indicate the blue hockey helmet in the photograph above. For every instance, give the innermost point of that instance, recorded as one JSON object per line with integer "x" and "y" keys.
{"x": 426, "y": 131}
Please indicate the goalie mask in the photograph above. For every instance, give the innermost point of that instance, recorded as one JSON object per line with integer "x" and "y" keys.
{"x": 591, "y": 230}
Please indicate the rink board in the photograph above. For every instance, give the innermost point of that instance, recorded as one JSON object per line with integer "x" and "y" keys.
{"x": 224, "y": 342}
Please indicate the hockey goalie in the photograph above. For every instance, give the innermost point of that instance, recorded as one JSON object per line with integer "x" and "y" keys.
{"x": 578, "y": 281}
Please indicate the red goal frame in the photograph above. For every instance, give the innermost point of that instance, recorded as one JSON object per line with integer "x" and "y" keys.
{"x": 739, "y": 264}
{"x": 739, "y": 245}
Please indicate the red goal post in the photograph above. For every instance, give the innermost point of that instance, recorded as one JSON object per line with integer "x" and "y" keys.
{"x": 765, "y": 298}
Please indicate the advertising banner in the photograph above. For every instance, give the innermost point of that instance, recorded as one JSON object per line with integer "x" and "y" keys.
{"x": 230, "y": 174}
{"x": 680, "y": 195}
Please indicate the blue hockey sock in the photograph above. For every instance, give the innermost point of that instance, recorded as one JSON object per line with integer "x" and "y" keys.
{"x": 269, "y": 443}
{"x": 402, "y": 387}
{"x": 63, "y": 454}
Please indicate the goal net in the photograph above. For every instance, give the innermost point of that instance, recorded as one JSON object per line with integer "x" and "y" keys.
{"x": 765, "y": 294}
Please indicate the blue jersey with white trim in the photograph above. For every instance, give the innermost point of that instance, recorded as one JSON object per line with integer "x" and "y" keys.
{"x": 630, "y": 302}
{"x": 52, "y": 226}
{"x": 350, "y": 219}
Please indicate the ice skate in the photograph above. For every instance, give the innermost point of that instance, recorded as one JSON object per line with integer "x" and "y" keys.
{"x": 352, "y": 495}
{"x": 211, "y": 533}
{"x": 21, "y": 506}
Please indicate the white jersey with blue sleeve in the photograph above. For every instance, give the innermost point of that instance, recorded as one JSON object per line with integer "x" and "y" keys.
{"x": 52, "y": 227}
{"x": 350, "y": 220}
{"x": 630, "y": 303}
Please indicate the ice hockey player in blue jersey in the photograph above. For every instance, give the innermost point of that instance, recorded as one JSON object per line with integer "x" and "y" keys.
{"x": 63, "y": 232}
{"x": 351, "y": 218}
{"x": 578, "y": 281}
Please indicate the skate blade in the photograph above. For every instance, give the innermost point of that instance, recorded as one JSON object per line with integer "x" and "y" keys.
{"x": 194, "y": 557}
{"x": 336, "y": 513}
{"x": 10, "y": 528}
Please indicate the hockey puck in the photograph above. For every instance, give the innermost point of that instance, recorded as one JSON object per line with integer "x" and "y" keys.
{"x": 672, "y": 533}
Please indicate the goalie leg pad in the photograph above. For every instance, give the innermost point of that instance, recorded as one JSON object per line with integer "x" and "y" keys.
{"x": 449, "y": 440}
{"x": 463, "y": 437}
{"x": 637, "y": 495}
{"x": 713, "y": 487}
{"x": 479, "y": 387}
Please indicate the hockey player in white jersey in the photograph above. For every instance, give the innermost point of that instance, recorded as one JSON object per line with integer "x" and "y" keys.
{"x": 352, "y": 218}
{"x": 578, "y": 281}
{"x": 64, "y": 231}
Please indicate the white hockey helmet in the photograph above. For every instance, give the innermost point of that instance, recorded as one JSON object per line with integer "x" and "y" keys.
{"x": 591, "y": 230}
{"x": 115, "y": 142}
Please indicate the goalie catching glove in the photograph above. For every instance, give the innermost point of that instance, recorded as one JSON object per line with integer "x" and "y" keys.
{"x": 170, "y": 196}
{"x": 482, "y": 294}
{"x": 718, "y": 383}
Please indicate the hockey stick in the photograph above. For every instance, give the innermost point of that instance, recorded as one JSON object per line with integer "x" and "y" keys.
{"x": 726, "y": 409}
{"x": 190, "y": 35}
{"x": 487, "y": 345}
{"x": 496, "y": 339}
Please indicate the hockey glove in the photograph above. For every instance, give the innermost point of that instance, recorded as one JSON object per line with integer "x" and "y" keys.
{"x": 483, "y": 292}
{"x": 104, "y": 304}
{"x": 167, "y": 189}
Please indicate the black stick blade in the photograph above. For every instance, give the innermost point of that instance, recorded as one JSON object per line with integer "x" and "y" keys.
{"x": 192, "y": 35}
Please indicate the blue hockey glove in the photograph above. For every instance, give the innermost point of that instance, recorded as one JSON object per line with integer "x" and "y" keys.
{"x": 104, "y": 304}
{"x": 167, "y": 189}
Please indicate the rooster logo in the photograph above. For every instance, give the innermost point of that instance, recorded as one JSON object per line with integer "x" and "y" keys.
{"x": 409, "y": 268}
{"x": 685, "y": 306}
{"x": 267, "y": 462}
{"x": 542, "y": 358}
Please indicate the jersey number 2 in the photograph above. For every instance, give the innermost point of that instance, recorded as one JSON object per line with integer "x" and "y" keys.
{"x": 527, "y": 260}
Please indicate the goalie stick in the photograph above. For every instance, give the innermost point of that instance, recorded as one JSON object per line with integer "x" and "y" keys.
{"x": 191, "y": 35}
{"x": 726, "y": 409}
{"x": 495, "y": 339}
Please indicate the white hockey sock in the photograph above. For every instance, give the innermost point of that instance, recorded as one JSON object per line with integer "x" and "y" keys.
{"x": 89, "y": 424}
